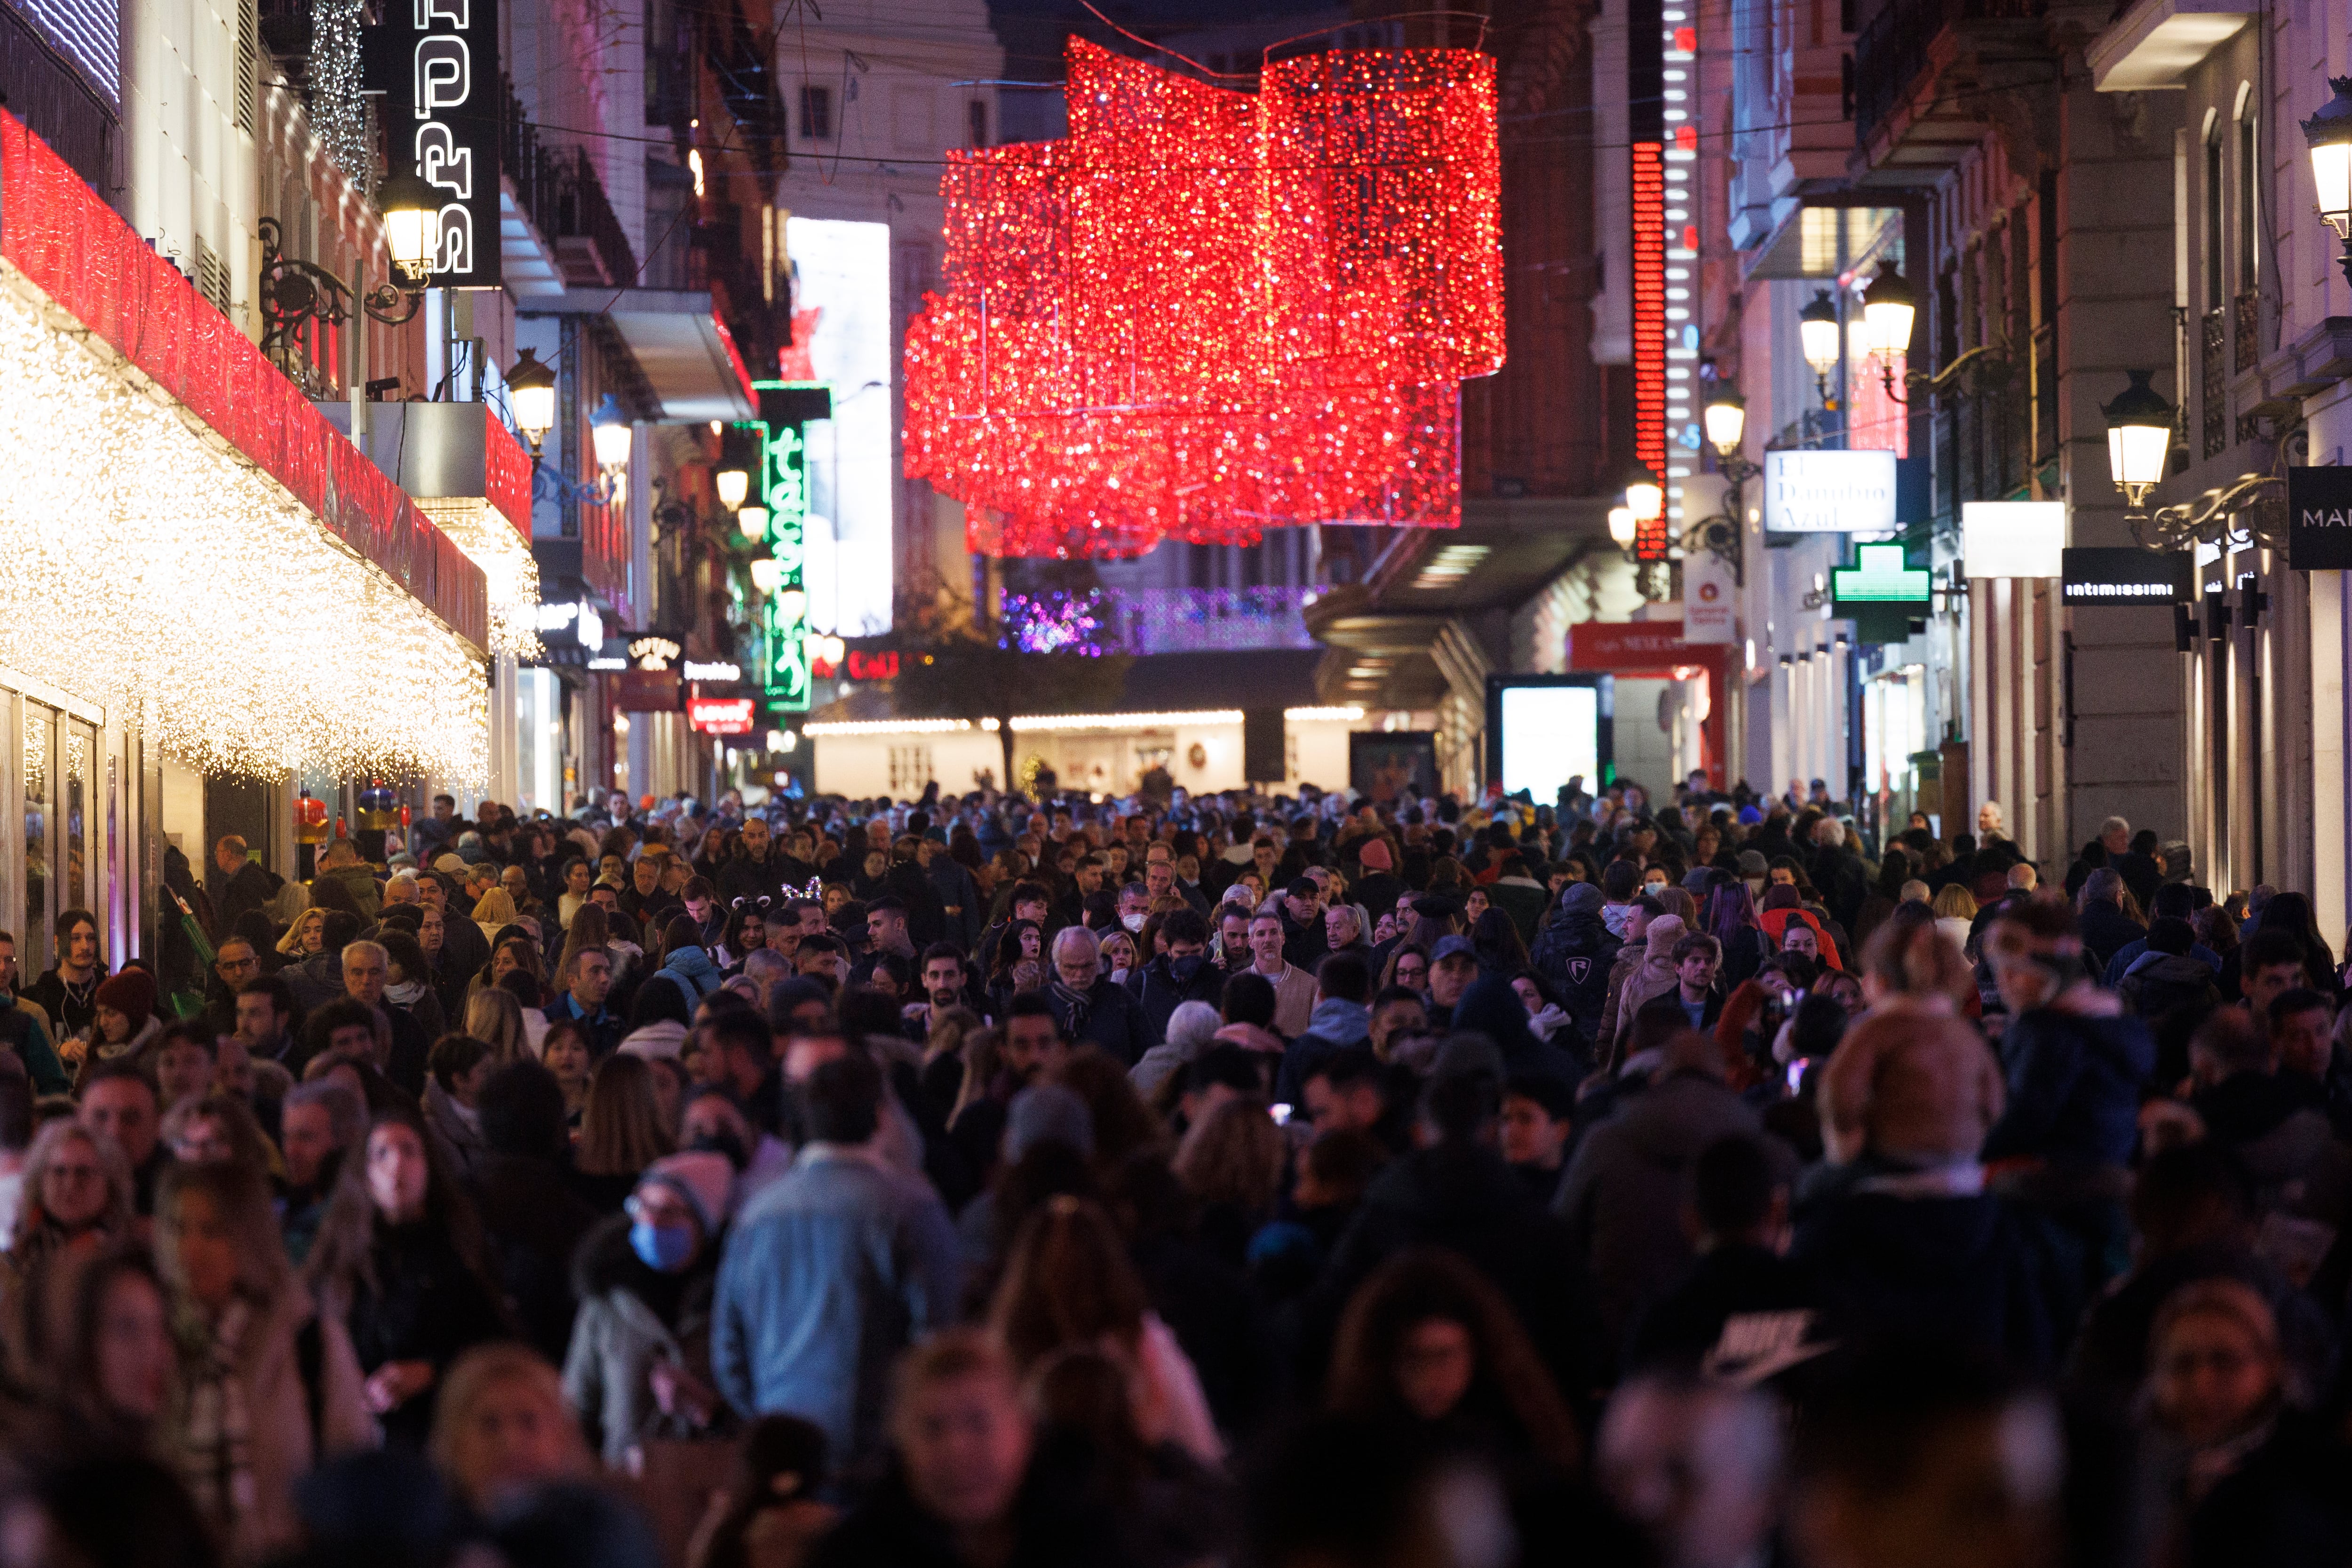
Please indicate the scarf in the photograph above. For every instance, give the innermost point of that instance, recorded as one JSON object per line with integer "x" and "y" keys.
{"x": 214, "y": 1458}
{"x": 405, "y": 994}
{"x": 1080, "y": 1003}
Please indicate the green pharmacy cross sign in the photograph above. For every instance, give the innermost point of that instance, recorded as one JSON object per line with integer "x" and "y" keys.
{"x": 784, "y": 490}
{"x": 1881, "y": 593}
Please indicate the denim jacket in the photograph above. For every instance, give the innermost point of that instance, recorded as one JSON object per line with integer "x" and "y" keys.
{"x": 828, "y": 1274}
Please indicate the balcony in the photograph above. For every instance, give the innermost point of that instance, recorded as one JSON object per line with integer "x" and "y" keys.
{"x": 1926, "y": 72}
{"x": 558, "y": 188}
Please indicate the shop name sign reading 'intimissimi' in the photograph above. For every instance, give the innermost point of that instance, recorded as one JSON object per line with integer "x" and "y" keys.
{"x": 1829, "y": 492}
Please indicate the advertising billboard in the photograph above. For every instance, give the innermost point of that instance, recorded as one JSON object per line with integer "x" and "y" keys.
{"x": 1829, "y": 492}
{"x": 841, "y": 328}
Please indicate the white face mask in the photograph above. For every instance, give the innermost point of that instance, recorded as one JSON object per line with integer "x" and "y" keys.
{"x": 1132, "y": 920}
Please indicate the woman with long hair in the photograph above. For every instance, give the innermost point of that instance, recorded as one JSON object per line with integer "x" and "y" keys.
{"x": 1020, "y": 963}
{"x": 115, "y": 1374}
{"x": 577, "y": 879}
{"x": 747, "y": 930}
{"x": 306, "y": 935}
{"x": 269, "y": 1386}
{"x": 494, "y": 1017}
{"x": 1231, "y": 1163}
{"x": 1729, "y": 916}
{"x": 512, "y": 951}
{"x": 1408, "y": 967}
{"x": 502, "y": 1426}
{"x": 400, "y": 1261}
{"x": 621, "y": 1130}
{"x": 77, "y": 1201}
{"x": 2293, "y": 913}
{"x": 564, "y": 1052}
{"x": 1068, "y": 1282}
{"x": 1429, "y": 1345}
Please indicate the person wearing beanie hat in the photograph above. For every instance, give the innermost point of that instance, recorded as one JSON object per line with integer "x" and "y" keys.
{"x": 126, "y": 1021}
{"x": 1378, "y": 888}
{"x": 640, "y": 1354}
{"x": 1574, "y": 952}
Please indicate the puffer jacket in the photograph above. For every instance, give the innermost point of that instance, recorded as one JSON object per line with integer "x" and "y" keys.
{"x": 690, "y": 969}
{"x": 631, "y": 1319}
{"x": 2075, "y": 1081}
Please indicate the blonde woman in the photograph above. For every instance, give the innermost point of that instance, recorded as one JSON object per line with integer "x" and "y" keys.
{"x": 1955, "y": 911}
{"x": 501, "y": 1425}
{"x": 494, "y": 1016}
{"x": 493, "y": 912}
{"x": 305, "y": 936}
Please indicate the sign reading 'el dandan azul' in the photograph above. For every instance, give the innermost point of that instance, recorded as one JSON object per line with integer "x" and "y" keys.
{"x": 2319, "y": 519}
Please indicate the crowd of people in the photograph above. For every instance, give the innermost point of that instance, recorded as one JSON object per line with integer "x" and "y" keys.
{"x": 1309, "y": 1182}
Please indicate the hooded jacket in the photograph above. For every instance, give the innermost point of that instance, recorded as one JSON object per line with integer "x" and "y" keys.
{"x": 2156, "y": 984}
{"x": 690, "y": 969}
{"x": 1490, "y": 1007}
{"x": 1574, "y": 954}
{"x": 1331, "y": 1029}
{"x": 1654, "y": 978}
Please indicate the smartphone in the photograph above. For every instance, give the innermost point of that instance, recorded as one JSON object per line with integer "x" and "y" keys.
{"x": 1281, "y": 1114}
{"x": 1796, "y": 1073}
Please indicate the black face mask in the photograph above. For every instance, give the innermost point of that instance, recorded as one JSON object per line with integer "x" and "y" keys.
{"x": 1185, "y": 968}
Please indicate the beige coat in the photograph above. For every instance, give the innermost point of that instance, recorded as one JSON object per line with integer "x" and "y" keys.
{"x": 282, "y": 1445}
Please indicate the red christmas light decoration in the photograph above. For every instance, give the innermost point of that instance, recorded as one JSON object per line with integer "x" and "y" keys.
{"x": 1650, "y": 540}
{"x": 1208, "y": 313}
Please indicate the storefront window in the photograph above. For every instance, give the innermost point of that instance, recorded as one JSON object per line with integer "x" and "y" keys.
{"x": 81, "y": 748}
{"x": 33, "y": 943}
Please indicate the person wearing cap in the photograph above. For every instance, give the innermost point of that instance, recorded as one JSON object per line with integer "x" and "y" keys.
{"x": 1575, "y": 953}
{"x": 639, "y": 1362}
{"x": 1453, "y": 967}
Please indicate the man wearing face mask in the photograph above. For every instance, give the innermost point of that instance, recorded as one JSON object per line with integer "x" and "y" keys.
{"x": 1182, "y": 974}
{"x": 646, "y": 1277}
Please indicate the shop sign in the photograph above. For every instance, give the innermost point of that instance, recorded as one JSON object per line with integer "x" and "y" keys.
{"x": 1829, "y": 492}
{"x": 783, "y": 654}
{"x": 1880, "y": 575}
{"x": 2125, "y": 576}
{"x": 574, "y": 623}
{"x": 435, "y": 64}
{"x": 718, "y": 715}
{"x": 1626, "y": 646}
{"x": 1710, "y": 597}
{"x": 2012, "y": 538}
{"x": 2319, "y": 519}
{"x": 646, "y": 691}
{"x": 715, "y": 670}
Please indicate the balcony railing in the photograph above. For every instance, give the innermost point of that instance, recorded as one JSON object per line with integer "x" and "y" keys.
{"x": 2212, "y": 391}
{"x": 1892, "y": 48}
{"x": 558, "y": 187}
{"x": 2249, "y": 308}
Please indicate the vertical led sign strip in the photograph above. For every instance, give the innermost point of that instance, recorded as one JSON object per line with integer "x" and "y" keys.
{"x": 1644, "y": 102}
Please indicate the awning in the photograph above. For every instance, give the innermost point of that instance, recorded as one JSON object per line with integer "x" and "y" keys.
{"x": 686, "y": 352}
{"x": 163, "y": 474}
{"x": 2158, "y": 43}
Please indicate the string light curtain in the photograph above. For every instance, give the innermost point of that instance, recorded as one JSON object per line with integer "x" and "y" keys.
{"x": 1207, "y": 312}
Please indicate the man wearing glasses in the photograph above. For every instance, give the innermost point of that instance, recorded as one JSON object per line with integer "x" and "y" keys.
{"x": 232, "y": 964}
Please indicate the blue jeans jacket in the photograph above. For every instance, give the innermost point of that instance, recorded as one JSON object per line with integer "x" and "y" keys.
{"x": 829, "y": 1274}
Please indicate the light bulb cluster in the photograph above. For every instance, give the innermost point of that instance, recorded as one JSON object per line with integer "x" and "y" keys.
{"x": 509, "y": 571}
{"x": 149, "y": 571}
{"x": 1207, "y": 312}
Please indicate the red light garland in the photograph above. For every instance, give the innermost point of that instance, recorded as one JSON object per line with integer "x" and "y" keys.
{"x": 1208, "y": 313}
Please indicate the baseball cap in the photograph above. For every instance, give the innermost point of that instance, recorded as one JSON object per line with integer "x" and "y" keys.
{"x": 1452, "y": 947}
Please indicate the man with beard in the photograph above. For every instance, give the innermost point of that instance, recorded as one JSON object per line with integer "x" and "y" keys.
{"x": 756, "y": 871}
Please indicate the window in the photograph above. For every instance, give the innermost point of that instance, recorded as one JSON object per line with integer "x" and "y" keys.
{"x": 816, "y": 113}
{"x": 2248, "y": 268}
{"x": 2213, "y": 208}
{"x": 975, "y": 118}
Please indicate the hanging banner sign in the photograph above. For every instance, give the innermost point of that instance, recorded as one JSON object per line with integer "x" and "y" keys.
{"x": 2319, "y": 519}
{"x": 1710, "y": 598}
{"x": 434, "y": 67}
{"x": 1829, "y": 492}
{"x": 2125, "y": 576}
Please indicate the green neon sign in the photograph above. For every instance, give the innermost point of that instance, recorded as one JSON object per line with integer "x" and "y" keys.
{"x": 784, "y": 488}
{"x": 1880, "y": 576}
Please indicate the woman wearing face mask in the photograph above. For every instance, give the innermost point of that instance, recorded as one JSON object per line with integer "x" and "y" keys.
{"x": 640, "y": 1357}
{"x": 400, "y": 1261}
{"x": 269, "y": 1385}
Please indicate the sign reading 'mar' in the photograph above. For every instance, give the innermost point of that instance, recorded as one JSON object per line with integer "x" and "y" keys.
{"x": 2319, "y": 519}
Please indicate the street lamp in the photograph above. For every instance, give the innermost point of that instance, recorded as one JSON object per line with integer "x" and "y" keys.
{"x": 1727, "y": 419}
{"x": 1817, "y": 333}
{"x": 733, "y": 485}
{"x": 2139, "y": 438}
{"x": 611, "y": 435}
{"x": 752, "y": 520}
{"x": 2330, "y": 133}
{"x": 530, "y": 389}
{"x": 1645, "y": 493}
{"x": 1620, "y": 526}
{"x": 412, "y": 224}
{"x": 1888, "y": 307}
{"x": 767, "y": 573}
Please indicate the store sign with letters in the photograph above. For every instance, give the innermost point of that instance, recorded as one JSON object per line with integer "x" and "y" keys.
{"x": 436, "y": 65}
{"x": 1829, "y": 492}
{"x": 1710, "y": 597}
{"x": 2012, "y": 538}
{"x": 2319, "y": 519}
{"x": 2125, "y": 576}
